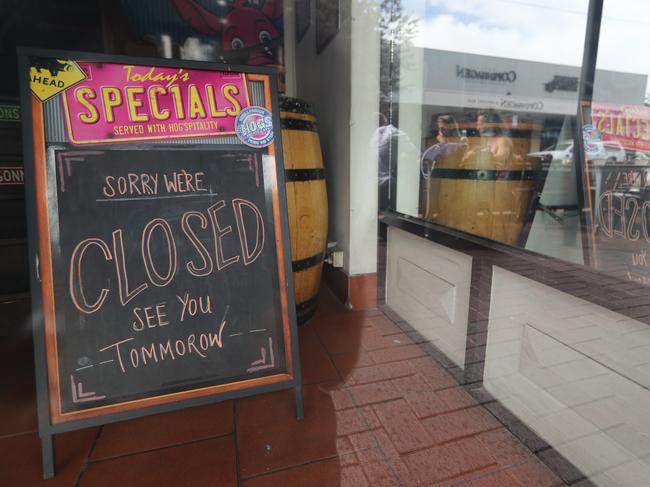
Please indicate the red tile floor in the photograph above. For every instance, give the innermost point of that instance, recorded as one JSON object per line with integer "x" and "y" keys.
{"x": 378, "y": 412}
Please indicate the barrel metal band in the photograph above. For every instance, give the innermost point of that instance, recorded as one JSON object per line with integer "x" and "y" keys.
{"x": 298, "y": 265}
{"x": 303, "y": 174}
{"x": 307, "y": 117}
{"x": 484, "y": 174}
{"x": 295, "y": 124}
{"x": 294, "y": 105}
{"x": 306, "y": 305}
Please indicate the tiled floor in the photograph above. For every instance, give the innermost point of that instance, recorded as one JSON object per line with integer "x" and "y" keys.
{"x": 378, "y": 412}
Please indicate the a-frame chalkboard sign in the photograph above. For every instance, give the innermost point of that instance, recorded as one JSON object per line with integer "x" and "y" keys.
{"x": 160, "y": 264}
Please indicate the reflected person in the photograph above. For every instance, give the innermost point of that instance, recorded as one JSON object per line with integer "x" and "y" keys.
{"x": 495, "y": 143}
{"x": 449, "y": 149}
{"x": 447, "y": 153}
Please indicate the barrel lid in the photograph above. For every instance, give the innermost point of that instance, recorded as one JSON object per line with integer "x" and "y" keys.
{"x": 295, "y": 105}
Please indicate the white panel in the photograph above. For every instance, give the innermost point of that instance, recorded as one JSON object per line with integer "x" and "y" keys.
{"x": 363, "y": 126}
{"x": 433, "y": 292}
{"x": 428, "y": 286}
{"x": 410, "y": 131}
{"x": 575, "y": 373}
{"x": 323, "y": 80}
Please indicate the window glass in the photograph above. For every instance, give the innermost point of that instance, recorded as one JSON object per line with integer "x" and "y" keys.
{"x": 497, "y": 141}
{"x": 487, "y": 109}
{"x": 616, "y": 130}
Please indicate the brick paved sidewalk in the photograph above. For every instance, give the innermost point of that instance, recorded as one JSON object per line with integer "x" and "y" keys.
{"x": 378, "y": 412}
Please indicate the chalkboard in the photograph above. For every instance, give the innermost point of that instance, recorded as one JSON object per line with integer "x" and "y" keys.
{"x": 617, "y": 189}
{"x": 621, "y": 209}
{"x": 158, "y": 237}
{"x": 165, "y": 273}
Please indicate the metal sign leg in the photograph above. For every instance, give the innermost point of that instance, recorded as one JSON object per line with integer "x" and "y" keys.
{"x": 47, "y": 451}
{"x": 299, "y": 409}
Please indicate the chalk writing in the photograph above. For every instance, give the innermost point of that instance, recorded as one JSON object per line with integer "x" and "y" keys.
{"x": 138, "y": 184}
{"x": 156, "y": 276}
{"x": 150, "y": 317}
{"x": 261, "y": 363}
{"x": 170, "y": 349}
{"x": 624, "y": 216}
{"x": 78, "y": 394}
{"x": 192, "y": 306}
{"x": 640, "y": 258}
{"x": 622, "y": 220}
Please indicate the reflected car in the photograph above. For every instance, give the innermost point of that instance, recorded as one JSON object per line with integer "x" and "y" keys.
{"x": 640, "y": 158}
{"x": 562, "y": 152}
{"x": 609, "y": 152}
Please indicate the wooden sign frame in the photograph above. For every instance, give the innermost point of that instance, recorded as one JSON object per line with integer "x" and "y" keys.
{"x": 51, "y": 419}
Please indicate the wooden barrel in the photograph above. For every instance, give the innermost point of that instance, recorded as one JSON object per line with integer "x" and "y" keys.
{"x": 477, "y": 193}
{"x": 306, "y": 202}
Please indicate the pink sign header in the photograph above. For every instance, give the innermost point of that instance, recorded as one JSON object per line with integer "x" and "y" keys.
{"x": 126, "y": 103}
{"x": 627, "y": 124}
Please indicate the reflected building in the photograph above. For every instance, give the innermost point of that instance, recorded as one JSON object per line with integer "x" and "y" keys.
{"x": 536, "y": 106}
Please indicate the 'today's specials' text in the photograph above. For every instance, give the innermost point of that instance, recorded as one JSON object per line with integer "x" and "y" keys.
{"x": 122, "y": 103}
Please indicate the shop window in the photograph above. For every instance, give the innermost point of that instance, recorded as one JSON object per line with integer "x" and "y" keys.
{"x": 527, "y": 172}
{"x": 487, "y": 106}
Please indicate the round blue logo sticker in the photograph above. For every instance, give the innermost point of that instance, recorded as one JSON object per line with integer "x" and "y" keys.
{"x": 254, "y": 127}
{"x": 591, "y": 139}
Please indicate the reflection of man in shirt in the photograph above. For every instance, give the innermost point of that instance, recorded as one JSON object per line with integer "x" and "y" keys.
{"x": 387, "y": 140}
{"x": 446, "y": 153}
{"x": 450, "y": 142}
{"x": 386, "y": 137}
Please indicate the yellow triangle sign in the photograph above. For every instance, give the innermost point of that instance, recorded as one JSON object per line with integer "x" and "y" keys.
{"x": 49, "y": 76}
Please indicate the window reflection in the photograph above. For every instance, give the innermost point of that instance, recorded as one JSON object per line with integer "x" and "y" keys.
{"x": 479, "y": 183}
{"x": 488, "y": 95}
{"x": 496, "y": 138}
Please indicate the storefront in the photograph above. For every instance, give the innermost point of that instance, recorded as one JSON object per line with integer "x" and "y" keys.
{"x": 486, "y": 166}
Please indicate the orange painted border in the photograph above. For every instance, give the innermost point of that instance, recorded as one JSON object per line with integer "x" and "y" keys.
{"x": 265, "y": 79}
{"x": 45, "y": 258}
{"x": 49, "y": 305}
{"x": 584, "y": 105}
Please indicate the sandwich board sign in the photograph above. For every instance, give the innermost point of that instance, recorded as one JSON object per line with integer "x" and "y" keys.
{"x": 158, "y": 236}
